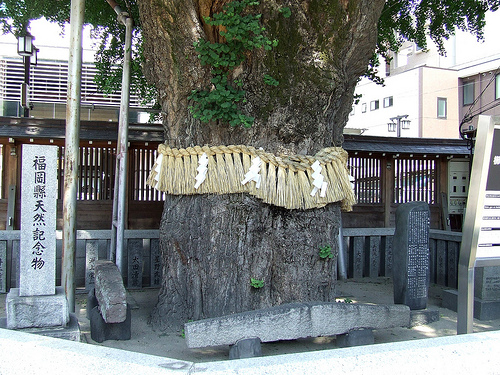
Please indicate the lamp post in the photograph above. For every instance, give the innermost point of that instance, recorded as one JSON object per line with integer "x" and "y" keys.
{"x": 28, "y": 51}
{"x": 397, "y": 123}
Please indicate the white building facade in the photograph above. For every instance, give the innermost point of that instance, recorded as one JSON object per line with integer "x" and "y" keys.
{"x": 49, "y": 79}
{"x": 428, "y": 89}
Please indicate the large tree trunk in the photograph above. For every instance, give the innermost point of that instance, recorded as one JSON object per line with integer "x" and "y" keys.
{"x": 213, "y": 244}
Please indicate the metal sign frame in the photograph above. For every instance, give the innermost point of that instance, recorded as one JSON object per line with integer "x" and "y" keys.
{"x": 482, "y": 218}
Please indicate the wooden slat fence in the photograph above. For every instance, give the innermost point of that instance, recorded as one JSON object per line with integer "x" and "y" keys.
{"x": 142, "y": 257}
{"x": 415, "y": 180}
{"x": 367, "y": 178}
{"x": 368, "y": 254}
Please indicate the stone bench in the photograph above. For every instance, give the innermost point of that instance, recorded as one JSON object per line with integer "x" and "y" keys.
{"x": 107, "y": 307}
{"x": 352, "y": 323}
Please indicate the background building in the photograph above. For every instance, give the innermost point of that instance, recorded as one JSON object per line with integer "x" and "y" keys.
{"x": 48, "y": 79}
{"x": 433, "y": 92}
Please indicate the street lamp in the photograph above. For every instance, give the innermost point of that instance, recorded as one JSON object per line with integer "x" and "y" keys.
{"x": 397, "y": 123}
{"x": 28, "y": 51}
{"x": 25, "y": 45}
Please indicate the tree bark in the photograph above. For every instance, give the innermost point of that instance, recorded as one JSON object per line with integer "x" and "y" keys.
{"x": 213, "y": 244}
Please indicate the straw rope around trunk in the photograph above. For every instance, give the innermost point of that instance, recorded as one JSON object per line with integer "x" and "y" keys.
{"x": 286, "y": 181}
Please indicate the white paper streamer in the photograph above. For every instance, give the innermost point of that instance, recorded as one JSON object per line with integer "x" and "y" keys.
{"x": 159, "y": 160}
{"x": 253, "y": 173}
{"x": 319, "y": 182}
{"x": 202, "y": 170}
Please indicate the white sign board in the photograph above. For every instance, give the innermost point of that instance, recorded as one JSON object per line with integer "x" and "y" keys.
{"x": 481, "y": 231}
{"x": 488, "y": 247}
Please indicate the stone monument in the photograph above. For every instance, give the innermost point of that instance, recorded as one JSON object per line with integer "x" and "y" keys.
{"x": 38, "y": 305}
{"x": 411, "y": 261}
{"x": 3, "y": 267}
{"x": 411, "y": 272}
{"x": 486, "y": 294}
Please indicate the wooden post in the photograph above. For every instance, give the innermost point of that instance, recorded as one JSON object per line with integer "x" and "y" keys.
{"x": 441, "y": 189}
{"x": 387, "y": 176}
{"x": 71, "y": 152}
{"x": 11, "y": 180}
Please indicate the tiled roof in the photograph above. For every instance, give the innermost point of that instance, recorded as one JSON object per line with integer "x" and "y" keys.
{"x": 392, "y": 145}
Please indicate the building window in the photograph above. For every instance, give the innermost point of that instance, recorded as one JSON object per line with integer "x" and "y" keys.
{"x": 388, "y": 102}
{"x": 363, "y": 108}
{"x": 468, "y": 93}
{"x": 374, "y": 105}
{"x": 497, "y": 86}
{"x": 441, "y": 107}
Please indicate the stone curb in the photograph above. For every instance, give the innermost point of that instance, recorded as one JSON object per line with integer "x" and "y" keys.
{"x": 463, "y": 354}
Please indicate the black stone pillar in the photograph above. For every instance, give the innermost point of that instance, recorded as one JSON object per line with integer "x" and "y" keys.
{"x": 411, "y": 273}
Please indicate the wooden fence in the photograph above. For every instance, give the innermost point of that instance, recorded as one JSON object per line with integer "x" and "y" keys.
{"x": 142, "y": 257}
{"x": 368, "y": 254}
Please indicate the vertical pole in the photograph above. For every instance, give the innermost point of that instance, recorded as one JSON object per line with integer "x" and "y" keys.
{"x": 342, "y": 258}
{"x": 26, "y": 61}
{"x": 71, "y": 151}
{"x": 465, "y": 301}
{"x": 118, "y": 226}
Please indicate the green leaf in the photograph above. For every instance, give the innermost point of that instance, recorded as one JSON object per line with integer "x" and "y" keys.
{"x": 286, "y": 12}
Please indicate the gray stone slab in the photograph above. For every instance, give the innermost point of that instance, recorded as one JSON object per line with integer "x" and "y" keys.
{"x": 101, "y": 331}
{"x": 246, "y": 348}
{"x": 3, "y": 266}
{"x": 38, "y": 220}
{"x": 293, "y": 321}
{"x": 483, "y": 310}
{"x": 91, "y": 256}
{"x": 487, "y": 283}
{"x": 373, "y": 262}
{"x": 134, "y": 279}
{"x": 355, "y": 337}
{"x": 411, "y": 268}
{"x": 70, "y": 332}
{"x": 91, "y": 302}
{"x": 156, "y": 270}
{"x": 36, "y": 311}
{"x": 110, "y": 292}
